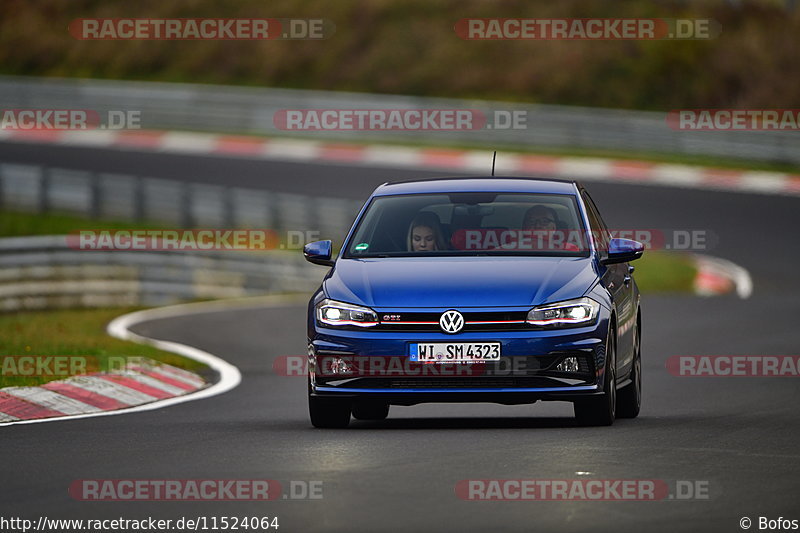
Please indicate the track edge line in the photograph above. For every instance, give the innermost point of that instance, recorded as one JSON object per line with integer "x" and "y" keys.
{"x": 229, "y": 375}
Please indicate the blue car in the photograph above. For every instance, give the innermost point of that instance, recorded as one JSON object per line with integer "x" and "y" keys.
{"x": 503, "y": 290}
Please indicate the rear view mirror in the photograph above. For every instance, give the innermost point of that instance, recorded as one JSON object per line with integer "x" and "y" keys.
{"x": 319, "y": 253}
{"x": 622, "y": 251}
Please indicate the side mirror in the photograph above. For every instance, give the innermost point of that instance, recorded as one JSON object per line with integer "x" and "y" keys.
{"x": 319, "y": 253}
{"x": 622, "y": 251}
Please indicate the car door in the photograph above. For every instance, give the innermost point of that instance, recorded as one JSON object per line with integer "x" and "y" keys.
{"x": 617, "y": 279}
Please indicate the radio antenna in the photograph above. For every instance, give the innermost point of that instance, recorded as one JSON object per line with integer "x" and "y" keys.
{"x": 494, "y": 157}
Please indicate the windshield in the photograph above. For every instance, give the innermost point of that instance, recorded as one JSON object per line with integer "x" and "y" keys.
{"x": 469, "y": 224}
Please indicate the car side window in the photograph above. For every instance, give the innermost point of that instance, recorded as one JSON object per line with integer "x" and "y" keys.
{"x": 599, "y": 230}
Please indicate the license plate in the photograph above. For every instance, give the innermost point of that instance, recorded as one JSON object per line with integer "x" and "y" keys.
{"x": 455, "y": 352}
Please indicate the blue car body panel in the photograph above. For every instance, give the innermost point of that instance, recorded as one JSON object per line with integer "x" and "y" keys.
{"x": 459, "y": 281}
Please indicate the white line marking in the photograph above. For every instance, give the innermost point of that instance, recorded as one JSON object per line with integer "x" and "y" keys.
{"x": 230, "y": 376}
{"x": 394, "y": 156}
{"x": 51, "y": 400}
{"x": 110, "y": 389}
{"x": 291, "y": 149}
{"x": 481, "y": 161}
{"x": 151, "y": 382}
{"x": 739, "y": 275}
{"x": 584, "y": 168}
{"x": 677, "y": 175}
{"x": 189, "y": 379}
{"x": 765, "y": 182}
{"x": 188, "y": 143}
{"x": 98, "y": 138}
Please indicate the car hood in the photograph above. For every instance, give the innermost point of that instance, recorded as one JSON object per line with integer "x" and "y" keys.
{"x": 390, "y": 283}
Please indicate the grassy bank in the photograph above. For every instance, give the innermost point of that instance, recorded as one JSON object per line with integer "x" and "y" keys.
{"x": 410, "y": 47}
{"x": 76, "y": 333}
{"x": 19, "y": 224}
{"x": 660, "y": 271}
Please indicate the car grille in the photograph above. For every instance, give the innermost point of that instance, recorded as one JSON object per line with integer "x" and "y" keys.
{"x": 473, "y": 321}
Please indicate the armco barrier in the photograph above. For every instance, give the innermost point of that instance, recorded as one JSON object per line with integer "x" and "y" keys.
{"x": 172, "y": 106}
{"x": 178, "y": 203}
{"x": 44, "y": 272}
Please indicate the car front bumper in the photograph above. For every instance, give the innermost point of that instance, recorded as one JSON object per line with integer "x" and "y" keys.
{"x": 526, "y": 373}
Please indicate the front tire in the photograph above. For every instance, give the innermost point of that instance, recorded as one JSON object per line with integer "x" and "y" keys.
{"x": 630, "y": 398}
{"x": 601, "y": 410}
{"x": 328, "y": 413}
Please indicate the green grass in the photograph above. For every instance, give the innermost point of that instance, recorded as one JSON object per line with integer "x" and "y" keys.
{"x": 19, "y": 224}
{"x": 664, "y": 272}
{"x": 72, "y": 332}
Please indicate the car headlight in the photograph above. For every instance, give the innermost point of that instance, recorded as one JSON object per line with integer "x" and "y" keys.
{"x": 333, "y": 313}
{"x": 578, "y": 312}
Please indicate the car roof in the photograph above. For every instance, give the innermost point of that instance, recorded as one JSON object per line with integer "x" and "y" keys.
{"x": 477, "y": 184}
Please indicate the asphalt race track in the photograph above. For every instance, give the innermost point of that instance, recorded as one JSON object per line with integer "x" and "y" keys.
{"x": 737, "y": 435}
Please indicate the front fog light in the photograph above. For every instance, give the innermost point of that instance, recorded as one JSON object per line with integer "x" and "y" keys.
{"x": 569, "y": 364}
{"x": 330, "y": 366}
{"x": 339, "y": 366}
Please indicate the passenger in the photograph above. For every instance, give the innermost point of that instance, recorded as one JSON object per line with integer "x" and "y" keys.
{"x": 425, "y": 233}
{"x": 542, "y": 224}
{"x": 540, "y": 218}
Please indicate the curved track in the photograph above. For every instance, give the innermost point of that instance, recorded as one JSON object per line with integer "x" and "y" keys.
{"x": 740, "y": 435}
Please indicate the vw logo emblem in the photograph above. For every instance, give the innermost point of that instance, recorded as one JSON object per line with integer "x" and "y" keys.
{"x": 451, "y": 321}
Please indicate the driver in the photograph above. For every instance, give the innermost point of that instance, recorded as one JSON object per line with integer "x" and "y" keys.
{"x": 425, "y": 233}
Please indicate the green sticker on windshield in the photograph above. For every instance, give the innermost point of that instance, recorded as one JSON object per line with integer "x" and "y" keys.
{"x": 360, "y": 247}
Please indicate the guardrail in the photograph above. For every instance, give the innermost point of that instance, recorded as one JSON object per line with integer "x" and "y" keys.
{"x": 251, "y": 110}
{"x": 43, "y": 272}
{"x": 181, "y": 203}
